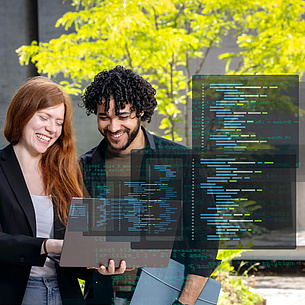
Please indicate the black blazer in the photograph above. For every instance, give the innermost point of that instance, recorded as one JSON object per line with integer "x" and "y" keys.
{"x": 19, "y": 248}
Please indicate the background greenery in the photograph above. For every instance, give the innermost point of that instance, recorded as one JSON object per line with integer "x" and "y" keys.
{"x": 168, "y": 41}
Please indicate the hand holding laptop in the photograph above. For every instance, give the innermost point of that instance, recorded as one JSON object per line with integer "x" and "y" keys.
{"x": 111, "y": 270}
{"x": 89, "y": 242}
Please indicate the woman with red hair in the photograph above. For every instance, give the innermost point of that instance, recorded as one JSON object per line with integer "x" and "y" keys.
{"x": 39, "y": 174}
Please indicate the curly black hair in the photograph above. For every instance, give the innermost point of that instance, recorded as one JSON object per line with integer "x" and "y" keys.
{"x": 126, "y": 87}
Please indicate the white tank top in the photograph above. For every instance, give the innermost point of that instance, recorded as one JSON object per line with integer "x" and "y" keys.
{"x": 43, "y": 207}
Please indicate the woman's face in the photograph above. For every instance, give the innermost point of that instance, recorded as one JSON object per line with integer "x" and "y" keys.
{"x": 43, "y": 129}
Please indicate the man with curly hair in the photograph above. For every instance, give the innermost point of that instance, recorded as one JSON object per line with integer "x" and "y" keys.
{"x": 121, "y": 99}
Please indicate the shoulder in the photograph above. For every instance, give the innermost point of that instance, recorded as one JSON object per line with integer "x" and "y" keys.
{"x": 95, "y": 154}
{"x": 87, "y": 156}
{"x": 7, "y": 153}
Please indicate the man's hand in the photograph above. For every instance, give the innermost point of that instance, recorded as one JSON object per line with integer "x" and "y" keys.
{"x": 192, "y": 289}
{"x": 111, "y": 270}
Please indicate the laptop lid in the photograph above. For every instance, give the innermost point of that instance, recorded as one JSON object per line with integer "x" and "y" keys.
{"x": 135, "y": 219}
{"x": 89, "y": 244}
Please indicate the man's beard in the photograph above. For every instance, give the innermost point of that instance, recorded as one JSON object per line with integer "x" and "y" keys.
{"x": 130, "y": 139}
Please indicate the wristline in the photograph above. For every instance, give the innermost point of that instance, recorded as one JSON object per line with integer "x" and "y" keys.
{"x": 173, "y": 287}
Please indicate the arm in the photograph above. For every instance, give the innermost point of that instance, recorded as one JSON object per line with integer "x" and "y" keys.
{"x": 200, "y": 260}
{"x": 192, "y": 288}
{"x": 51, "y": 246}
{"x": 21, "y": 249}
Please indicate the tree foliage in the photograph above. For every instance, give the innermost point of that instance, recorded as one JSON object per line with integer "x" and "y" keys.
{"x": 155, "y": 38}
{"x": 272, "y": 40}
{"x": 168, "y": 41}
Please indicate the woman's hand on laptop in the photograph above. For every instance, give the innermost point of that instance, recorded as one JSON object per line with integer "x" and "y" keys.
{"x": 111, "y": 268}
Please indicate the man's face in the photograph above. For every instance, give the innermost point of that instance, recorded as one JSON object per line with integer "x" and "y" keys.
{"x": 120, "y": 131}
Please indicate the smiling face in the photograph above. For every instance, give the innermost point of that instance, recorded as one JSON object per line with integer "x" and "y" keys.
{"x": 122, "y": 132}
{"x": 42, "y": 130}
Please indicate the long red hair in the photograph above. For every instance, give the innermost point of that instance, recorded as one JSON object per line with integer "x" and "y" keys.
{"x": 59, "y": 164}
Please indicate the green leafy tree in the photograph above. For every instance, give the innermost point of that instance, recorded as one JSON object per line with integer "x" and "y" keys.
{"x": 158, "y": 39}
{"x": 272, "y": 39}
{"x": 168, "y": 41}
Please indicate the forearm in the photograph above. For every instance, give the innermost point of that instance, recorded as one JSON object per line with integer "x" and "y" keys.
{"x": 21, "y": 249}
{"x": 51, "y": 246}
{"x": 192, "y": 289}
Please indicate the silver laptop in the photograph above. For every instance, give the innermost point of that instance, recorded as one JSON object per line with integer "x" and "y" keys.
{"x": 140, "y": 232}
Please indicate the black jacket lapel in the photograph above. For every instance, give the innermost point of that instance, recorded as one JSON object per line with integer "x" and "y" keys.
{"x": 13, "y": 173}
